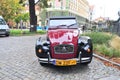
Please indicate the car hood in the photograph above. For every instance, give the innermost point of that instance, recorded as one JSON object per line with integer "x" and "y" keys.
{"x": 4, "y": 27}
{"x": 63, "y": 36}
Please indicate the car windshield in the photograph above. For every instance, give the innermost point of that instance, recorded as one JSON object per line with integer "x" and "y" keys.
{"x": 2, "y": 22}
{"x": 63, "y": 23}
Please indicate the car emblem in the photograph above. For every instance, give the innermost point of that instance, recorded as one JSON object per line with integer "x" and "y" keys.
{"x": 64, "y": 48}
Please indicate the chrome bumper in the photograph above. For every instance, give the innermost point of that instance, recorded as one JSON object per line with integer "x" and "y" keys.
{"x": 50, "y": 60}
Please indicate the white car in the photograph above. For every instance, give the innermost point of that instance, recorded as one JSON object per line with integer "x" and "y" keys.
{"x": 4, "y": 28}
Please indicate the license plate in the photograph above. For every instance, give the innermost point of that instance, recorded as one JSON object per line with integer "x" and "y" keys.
{"x": 65, "y": 62}
{"x": 2, "y": 32}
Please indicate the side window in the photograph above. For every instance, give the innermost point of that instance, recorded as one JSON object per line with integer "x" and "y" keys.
{"x": 2, "y": 22}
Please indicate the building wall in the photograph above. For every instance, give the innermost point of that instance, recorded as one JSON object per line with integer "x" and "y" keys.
{"x": 57, "y": 4}
{"x": 79, "y": 8}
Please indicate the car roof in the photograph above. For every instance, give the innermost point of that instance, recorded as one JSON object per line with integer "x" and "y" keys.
{"x": 63, "y": 17}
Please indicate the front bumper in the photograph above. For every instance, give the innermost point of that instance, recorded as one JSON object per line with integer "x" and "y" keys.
{"x": 78, "y": 60}
{"x": 4, "y": 32}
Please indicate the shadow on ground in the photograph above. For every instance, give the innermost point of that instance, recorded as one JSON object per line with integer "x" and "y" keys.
{"x": 68, "y": 69}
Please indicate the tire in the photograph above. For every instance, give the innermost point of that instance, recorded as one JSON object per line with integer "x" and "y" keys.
{"x": 86, "y": 63}
{"x": 7, "y": 35}
{"x": 43, "y": 64}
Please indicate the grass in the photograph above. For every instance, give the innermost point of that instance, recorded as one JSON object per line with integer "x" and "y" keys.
{"x": 115, "y": 42}
{"x": 98, "y": 37}
{"x": 19, "y": 32}
{"x": 105, "y": 43}
{"x": 107, "y": 51}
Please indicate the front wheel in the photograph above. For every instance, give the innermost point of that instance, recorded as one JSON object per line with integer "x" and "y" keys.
{"x": 42, "y": 64}
{"x": 86, "y": 63}
{"x": 7, "y": 35}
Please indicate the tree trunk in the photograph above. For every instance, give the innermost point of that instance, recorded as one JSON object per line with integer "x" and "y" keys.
{"x": 33, "y": 18}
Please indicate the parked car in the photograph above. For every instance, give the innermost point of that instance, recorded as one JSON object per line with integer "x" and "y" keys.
{"x": 4, "y": 28}
{"x": 63, "y": 46}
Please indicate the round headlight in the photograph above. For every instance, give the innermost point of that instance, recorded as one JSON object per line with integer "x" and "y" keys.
{"x": 40, "y": 50}
{"x": 88, "y": 50}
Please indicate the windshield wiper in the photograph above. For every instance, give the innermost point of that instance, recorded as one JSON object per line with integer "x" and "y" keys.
{"x": 60, "y": 25}
{"x": 71, "y": 25}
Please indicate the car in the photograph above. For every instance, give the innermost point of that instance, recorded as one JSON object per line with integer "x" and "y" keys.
{"x": 63, "y": 46}
{"x": 4, "y": 28}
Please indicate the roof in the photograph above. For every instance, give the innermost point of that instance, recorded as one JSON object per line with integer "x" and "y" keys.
{"x": 62, "y": 17}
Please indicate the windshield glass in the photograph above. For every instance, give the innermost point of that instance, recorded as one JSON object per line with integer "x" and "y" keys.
{"x": 63, "y": 23}
{"x": 2, "y": 22}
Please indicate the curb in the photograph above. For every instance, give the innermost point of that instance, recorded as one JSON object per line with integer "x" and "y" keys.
{"x": 102, "y": 58}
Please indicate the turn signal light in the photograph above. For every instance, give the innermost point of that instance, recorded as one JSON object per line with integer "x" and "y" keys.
{"x": 88, "y": 50}
{"x": 39, "y": 50}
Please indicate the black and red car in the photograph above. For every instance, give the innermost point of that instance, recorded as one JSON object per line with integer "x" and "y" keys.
{"x": 63, "y": 46}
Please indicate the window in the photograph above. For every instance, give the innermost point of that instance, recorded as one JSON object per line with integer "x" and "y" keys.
{"x": 62, "y": 23}
{"x": 2, "y": 22}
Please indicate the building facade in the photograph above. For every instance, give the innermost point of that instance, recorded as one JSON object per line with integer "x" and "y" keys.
{"x": 78, "y": 8}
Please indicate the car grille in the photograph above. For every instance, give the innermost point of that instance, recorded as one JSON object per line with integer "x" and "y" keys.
{"x": 64, "y": 49}
{"x": 2, "y": 30}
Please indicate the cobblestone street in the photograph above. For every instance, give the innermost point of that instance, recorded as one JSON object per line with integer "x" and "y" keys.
{"x": 19, "y": 62}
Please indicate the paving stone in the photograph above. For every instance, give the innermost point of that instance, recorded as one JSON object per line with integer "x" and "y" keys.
{"x": 111, "y": 78}
{"x": 18, "y": 61}
{"x": 6, "y": 78}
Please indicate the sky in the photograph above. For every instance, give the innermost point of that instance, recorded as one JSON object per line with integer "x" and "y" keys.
{"x": 105, "y": 8}
{"x": 36, "y": 1}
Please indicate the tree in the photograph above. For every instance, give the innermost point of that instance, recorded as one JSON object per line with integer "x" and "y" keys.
{"x": 9, "y": 8}
{"x": 33, "y": 18}
{"x": 24, "y": 16}
{"x": 43, "y": 3}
